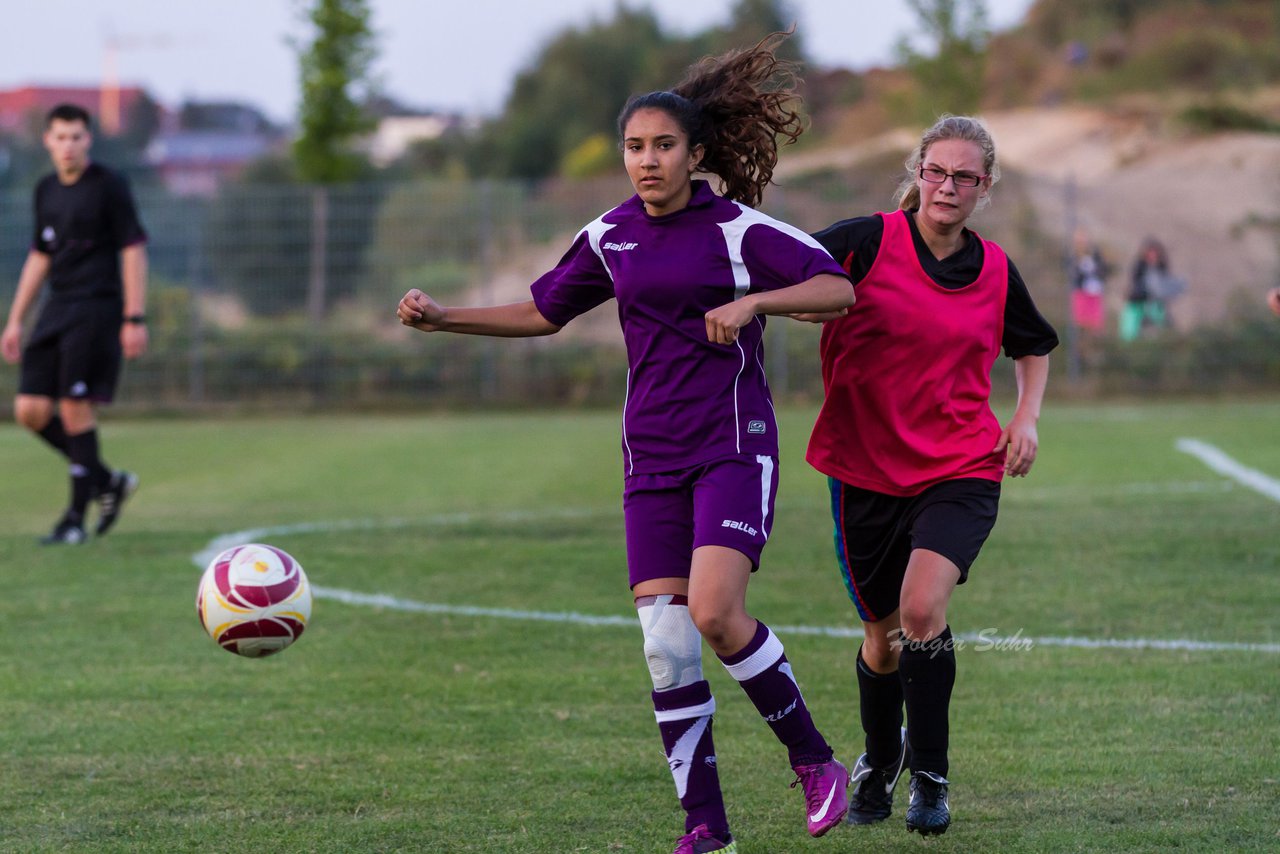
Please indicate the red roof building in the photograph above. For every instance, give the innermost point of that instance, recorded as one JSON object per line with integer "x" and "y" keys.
{"x": 22, "y": 110}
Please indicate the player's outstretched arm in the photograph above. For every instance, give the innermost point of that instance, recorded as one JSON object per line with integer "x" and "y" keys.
{"x": 514, "y": 320}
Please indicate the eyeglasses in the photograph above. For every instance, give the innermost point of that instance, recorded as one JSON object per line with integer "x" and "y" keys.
{"x": 960, "y": 179}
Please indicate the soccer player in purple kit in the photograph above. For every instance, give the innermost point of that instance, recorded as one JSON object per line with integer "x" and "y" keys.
{"x": 91, "y": 247}
{"x": 693, "y": 272}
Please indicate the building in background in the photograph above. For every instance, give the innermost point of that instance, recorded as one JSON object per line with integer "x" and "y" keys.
{"x": 192, "y": 149}
{"x": 400, "y": 126}
{"x": 116, "y": 110}
{"x": 205, "y": 144}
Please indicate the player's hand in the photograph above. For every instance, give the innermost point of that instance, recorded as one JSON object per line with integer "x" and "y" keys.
{"x": 11, "y": 343}
{"x": 1021, "y": 442}
{"x": 420, "y": 311}
{"x": 818, "y": 316}
{"x": 1273, "y": 300}
{"x": 133, "y": 339}
{"x": 724, "y": 322}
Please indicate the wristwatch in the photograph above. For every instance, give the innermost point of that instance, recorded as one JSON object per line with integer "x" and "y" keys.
{"x": 135, "y": 318}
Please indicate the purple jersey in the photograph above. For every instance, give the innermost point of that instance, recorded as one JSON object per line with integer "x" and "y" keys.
{"x": 689, "y": 401}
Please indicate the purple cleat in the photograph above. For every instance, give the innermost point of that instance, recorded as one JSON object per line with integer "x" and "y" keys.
{"x": 826, "y": 797}
{"x": 701, "y": 841}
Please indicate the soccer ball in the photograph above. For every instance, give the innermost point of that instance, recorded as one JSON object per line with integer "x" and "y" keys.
{"x": 254, "y": 600}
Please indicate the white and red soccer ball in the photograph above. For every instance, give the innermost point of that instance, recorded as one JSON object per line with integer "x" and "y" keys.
{"x": 254, "y": 600}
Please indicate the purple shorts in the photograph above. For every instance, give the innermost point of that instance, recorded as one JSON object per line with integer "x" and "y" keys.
{"x": 726, "y": 503}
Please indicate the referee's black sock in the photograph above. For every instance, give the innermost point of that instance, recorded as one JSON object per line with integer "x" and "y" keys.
{"x": 880, "y": 702}
{"x": 87, "y": 471}
{"x": 928, "y": 673}
{"x": 55, "y": 435}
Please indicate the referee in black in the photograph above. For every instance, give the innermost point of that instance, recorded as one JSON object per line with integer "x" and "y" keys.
{"x": 91, "y": 247}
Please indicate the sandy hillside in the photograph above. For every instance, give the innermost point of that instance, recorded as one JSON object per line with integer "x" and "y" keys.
{"x": 1131, "y": 180}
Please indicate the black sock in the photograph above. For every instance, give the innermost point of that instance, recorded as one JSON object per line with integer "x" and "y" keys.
{"x": 928, "y": 672}
{"x": 55, "y": 435}
{"x": 880, "y": 701}
{"x": 87, "y": 471}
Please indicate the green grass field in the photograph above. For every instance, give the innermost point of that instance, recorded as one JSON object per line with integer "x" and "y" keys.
{"x": 125, "y": 729}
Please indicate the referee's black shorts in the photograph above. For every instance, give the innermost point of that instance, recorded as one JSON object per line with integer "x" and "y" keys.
{"x": 875, "y": 534}
{"x": 74, "y": 351}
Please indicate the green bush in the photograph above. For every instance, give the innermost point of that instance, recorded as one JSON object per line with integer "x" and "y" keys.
{"x": 1217, "y": 116}
{"x": 1208, "y": 59}
{"x": 1242, "y": 353}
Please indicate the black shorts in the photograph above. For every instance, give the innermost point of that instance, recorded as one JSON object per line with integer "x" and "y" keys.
{"x": 876, "y": 533}
{"x": 74, "y": 351}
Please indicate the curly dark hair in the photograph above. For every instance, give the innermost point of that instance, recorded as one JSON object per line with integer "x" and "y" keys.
{"x": 735, "y": 106}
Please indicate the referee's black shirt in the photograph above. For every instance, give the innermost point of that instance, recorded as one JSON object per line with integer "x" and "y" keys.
{"x": 82, "y": 227}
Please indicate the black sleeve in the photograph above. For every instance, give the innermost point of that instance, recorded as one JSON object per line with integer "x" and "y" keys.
{"x": 38, "y": 242}
{"x": 122, "y": 214}
{"x": 1137, "y": 283}
{"x": 1026, "y": 332}
{"x": 854, "y": 243}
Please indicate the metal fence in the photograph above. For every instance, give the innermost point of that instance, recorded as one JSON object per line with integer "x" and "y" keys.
{"x": 269, "y": 295}
{"x": 283, "y": 295}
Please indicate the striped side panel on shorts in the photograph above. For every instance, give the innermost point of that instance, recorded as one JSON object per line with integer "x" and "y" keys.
{"x": 842, "y": 551}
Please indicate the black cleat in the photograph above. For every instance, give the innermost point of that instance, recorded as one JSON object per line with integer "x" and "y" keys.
{"x": 68, "y": 532}
{"x": 928, "y": 813}
{"x": 112, "y": 498}
{"x": 872, "y": 798}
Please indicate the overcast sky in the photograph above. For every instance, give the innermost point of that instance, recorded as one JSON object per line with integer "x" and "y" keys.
{"x": 458, "y": 55}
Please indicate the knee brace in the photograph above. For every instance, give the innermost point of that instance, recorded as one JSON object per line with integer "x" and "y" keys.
{"x": 672, "y": 644}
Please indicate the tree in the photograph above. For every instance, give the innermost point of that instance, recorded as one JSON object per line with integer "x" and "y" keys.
{"x": 581, "y": 79}
{"x": 950, "y": 79}
{"x": 752, "y": 20}
{"x": 575, "y": 89}
{"x": 335, "y": 74}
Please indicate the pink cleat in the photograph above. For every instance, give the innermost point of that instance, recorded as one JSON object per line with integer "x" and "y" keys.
{"x": 826, "y": 798}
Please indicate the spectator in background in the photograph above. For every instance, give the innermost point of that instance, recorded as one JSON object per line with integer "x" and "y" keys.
{"x": 91, "y": 247}
{"x": 1152, "y": 287}
{"x": 1089, "y": 272}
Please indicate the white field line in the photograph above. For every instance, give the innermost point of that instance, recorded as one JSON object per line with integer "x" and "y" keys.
{"x": 1225, "y": 465}
{"x": 985, "y": 639}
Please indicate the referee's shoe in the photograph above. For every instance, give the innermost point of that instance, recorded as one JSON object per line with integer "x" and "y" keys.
{"x": 928, "y": 813}
{"x": 68, "y": 532}
{"x": 112, "y": 498}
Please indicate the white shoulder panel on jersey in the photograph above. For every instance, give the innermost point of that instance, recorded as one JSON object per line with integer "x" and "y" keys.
{"x": 736, "y": 229}
{"x": 595, "y": 231}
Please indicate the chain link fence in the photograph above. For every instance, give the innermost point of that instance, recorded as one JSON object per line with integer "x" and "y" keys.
{"x": 284, "y": 296}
